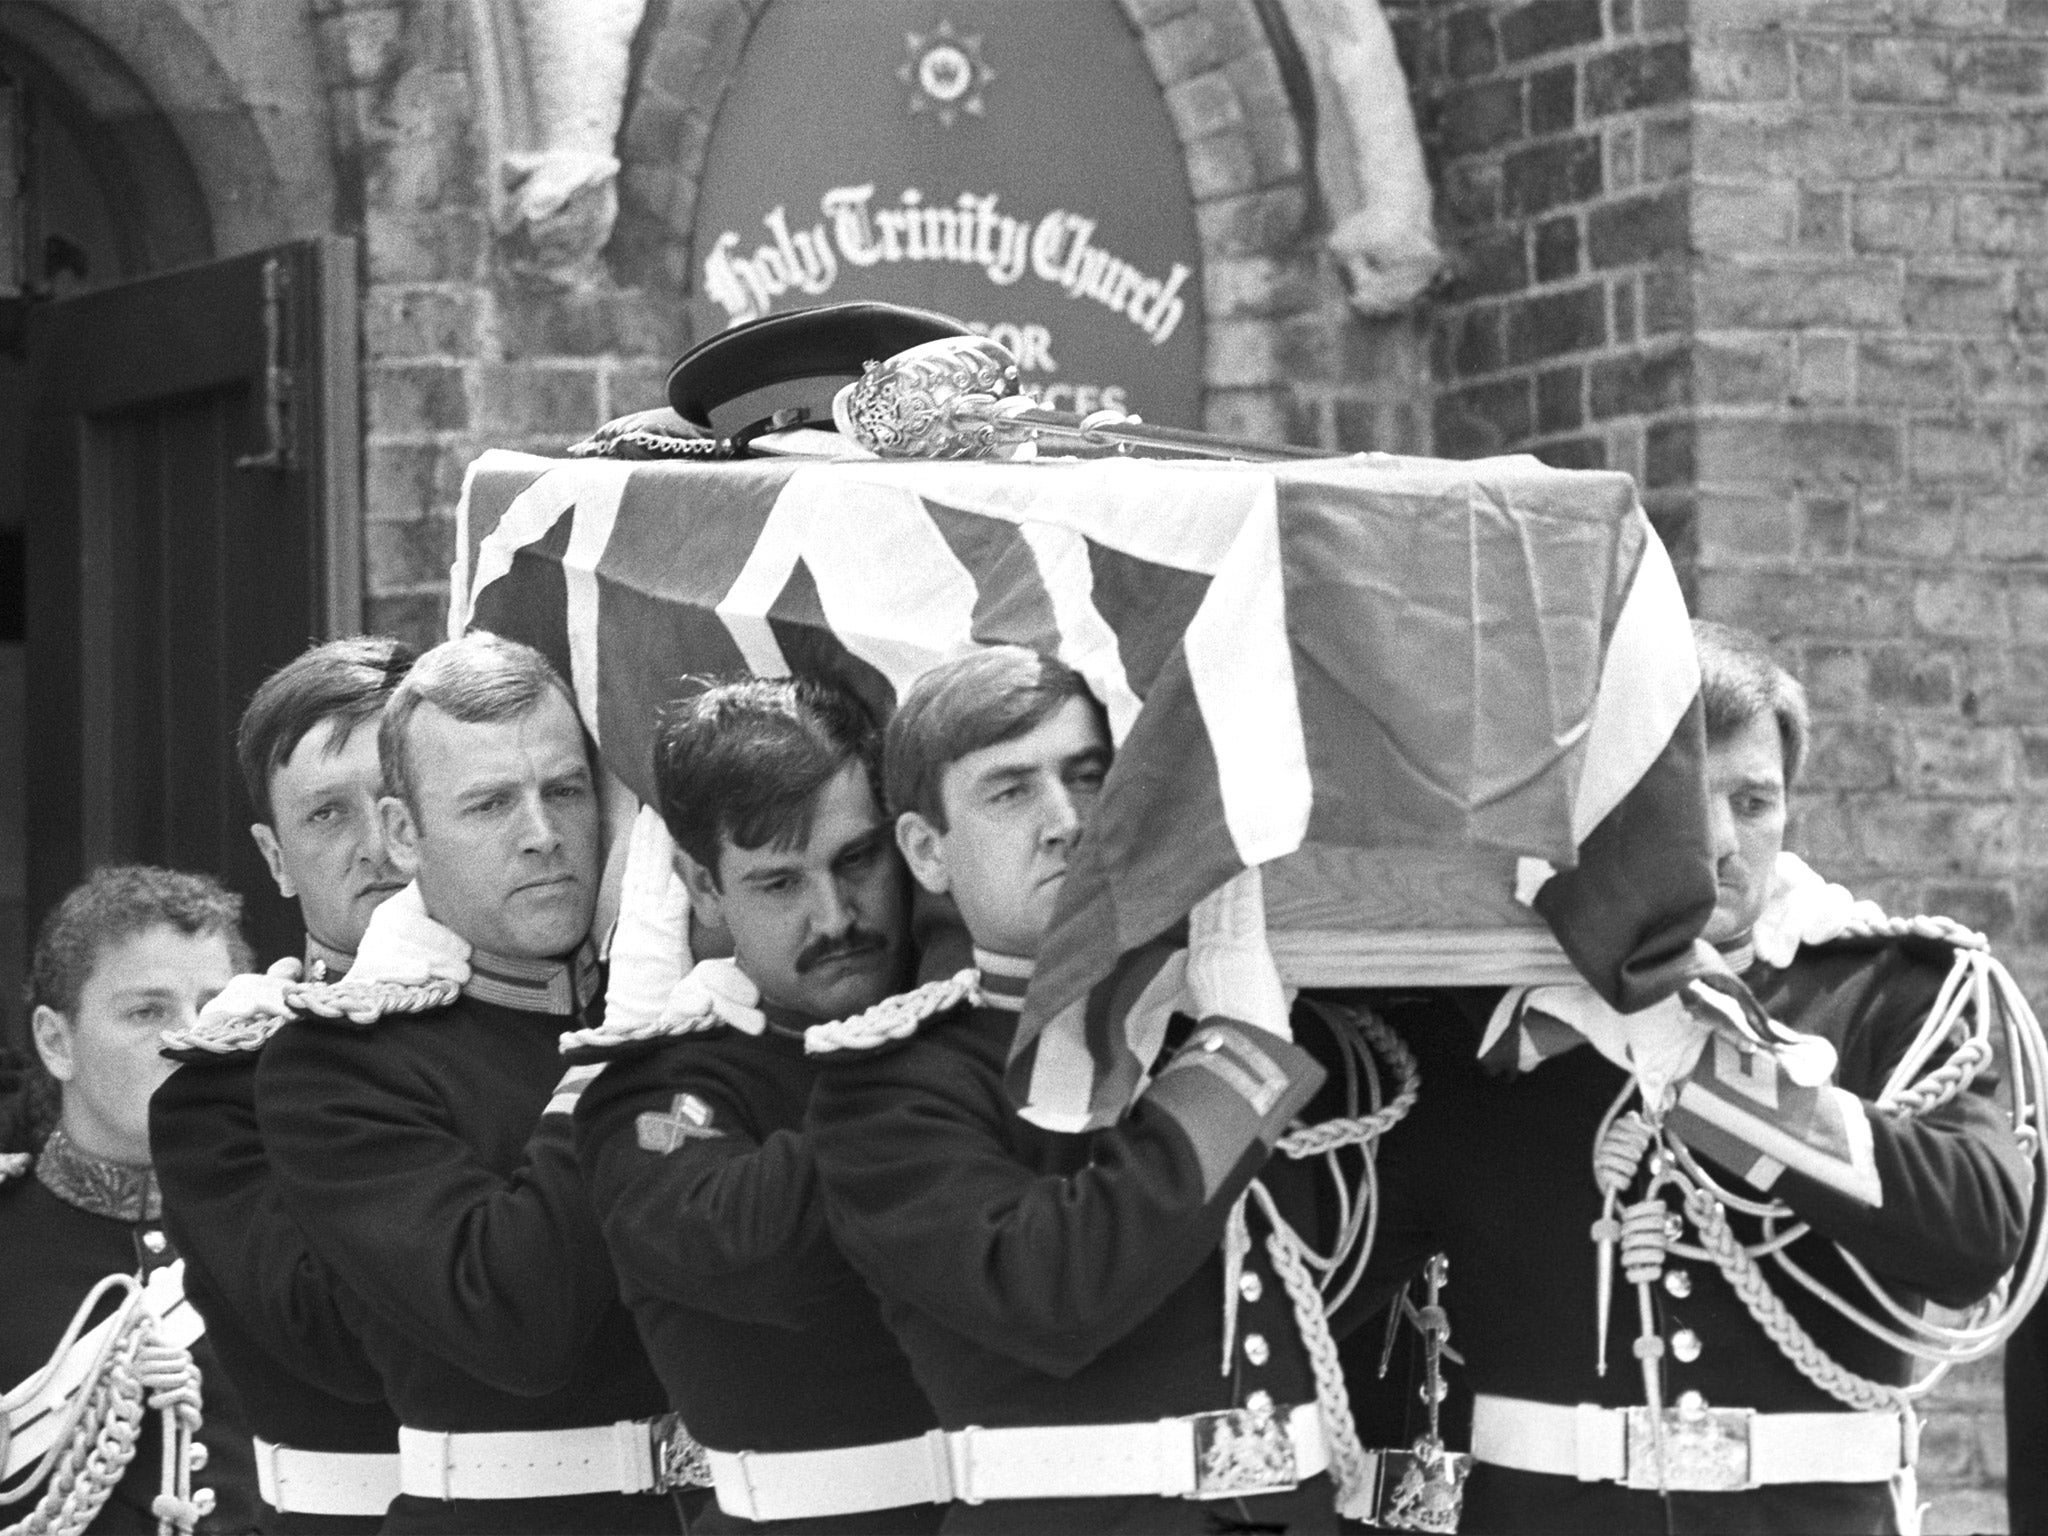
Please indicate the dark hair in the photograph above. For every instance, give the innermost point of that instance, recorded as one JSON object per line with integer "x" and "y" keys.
{"x": 117, "y": 902}
{"x": 1741, "y": 681}
{"x": 742, "y": 762}
{"x": 988, "y": 696}
{"x": 346, "y": 681}
{"x": 479, "y": 679}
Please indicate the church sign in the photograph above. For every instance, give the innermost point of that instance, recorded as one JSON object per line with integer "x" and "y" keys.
{"x": 1009, "y": 162}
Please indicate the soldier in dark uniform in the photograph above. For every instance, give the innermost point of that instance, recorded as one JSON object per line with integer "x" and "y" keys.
{"x": 326, "y": 1442}
{"x": 1795, "y": 1429}
{"x": 1064, "y": 1298}
{"x": 692, "y": 1138}
{"x": 2026, "y": 1425}
{"x": 427, "y": 1152}
{"x": 128, "y": 954}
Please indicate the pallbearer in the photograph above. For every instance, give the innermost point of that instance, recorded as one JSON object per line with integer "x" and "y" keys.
{"x": 1101, "y": 1353}
{"x": 420, "y": 1139}
{"x": 692, "y": 1137}
{"x": 1690, "y": 1247}
{"x": 326, "y": 1441}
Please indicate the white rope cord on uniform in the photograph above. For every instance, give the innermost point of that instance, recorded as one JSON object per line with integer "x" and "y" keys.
{"x": 1977, "y": 990}
{"x": 1771, "y": 1314}
{"x": 102, "y": 1425}
{"x": 365, "y": 1002}
{"x": 893, "y": 1018}
{"x": 1358, "y": 1219}
{"x": 1350, "y": 1131}
{"x": 1348, "y": 1464}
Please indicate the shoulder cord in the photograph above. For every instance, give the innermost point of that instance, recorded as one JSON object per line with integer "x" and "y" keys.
{"x": 1977, "y": 990}
{"x": 365, "y": 1002}
{"x": 102, "y": 1425}
{"x": 893, "y": 1018}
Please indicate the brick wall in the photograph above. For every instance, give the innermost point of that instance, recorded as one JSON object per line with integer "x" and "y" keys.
{"x": 1872, "y": 368}
{"x": 1559, "y": 135}
{"x": 1785, "y": 261}
{"x": 459, "y": 356}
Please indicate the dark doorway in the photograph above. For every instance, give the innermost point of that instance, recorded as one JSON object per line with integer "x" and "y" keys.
{"x": 179, "y": 463}
{"x": 179, "y": 490}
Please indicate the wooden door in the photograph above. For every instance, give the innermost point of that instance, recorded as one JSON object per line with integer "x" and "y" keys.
{"x": 193, "y": 522}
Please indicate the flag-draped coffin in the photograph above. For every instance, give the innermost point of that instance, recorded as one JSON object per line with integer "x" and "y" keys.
{"x": 1449, "y": 707}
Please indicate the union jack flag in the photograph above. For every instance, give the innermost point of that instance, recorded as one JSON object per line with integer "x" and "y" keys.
{"x": 1373, "y": 657}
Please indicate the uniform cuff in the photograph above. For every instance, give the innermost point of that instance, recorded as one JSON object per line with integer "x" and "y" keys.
{"x": 1232, "y": 1086}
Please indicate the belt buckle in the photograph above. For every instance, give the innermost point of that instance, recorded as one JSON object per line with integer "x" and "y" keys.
{"x": 1422, "y": 1488}
{"x": 1706, "y": 1450}
{"x": 679, "y": 1461}
{"x": 1243, "y": 1450}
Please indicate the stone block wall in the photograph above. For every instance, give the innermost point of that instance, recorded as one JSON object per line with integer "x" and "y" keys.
{"x": 1560, "y": 143}
{"x": 1872, "y": 232}
{"x": 1783, "y": 260}
{"x": 459, "y": 355}
{"x": 1872, "y": 367}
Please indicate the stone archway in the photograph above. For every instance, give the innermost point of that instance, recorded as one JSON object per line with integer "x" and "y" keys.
{"x": 1227, "y": 93}
{"x": 189, "y": 110}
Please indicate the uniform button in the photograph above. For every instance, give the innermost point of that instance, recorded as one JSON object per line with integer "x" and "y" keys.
{"x": 1250, "y": 1286}
{"x": 153, "y": 1241}
{"x": 1255, "y": 1349}
{"x": 1678, "y": 1283}
{"x": 1686, "y": 1345}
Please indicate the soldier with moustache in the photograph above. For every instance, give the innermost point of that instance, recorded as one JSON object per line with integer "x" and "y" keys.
{"x": 1534, "y": 1146}
{"x": 326, "y": 1441}
{"x": 692, "y": 1137}
{"x": 130, "y": 953}
{"x": 1064, "y": 1298}
{"x": 421, "y": 1133}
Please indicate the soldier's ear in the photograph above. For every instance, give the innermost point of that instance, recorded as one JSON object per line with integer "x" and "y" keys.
{"x": 51, "y": 1032}
{"x": 401, "y": 835}
{"x": 924, "y": 850}
{"x": 273, "y": 856}
{"x": 707, "y": 901}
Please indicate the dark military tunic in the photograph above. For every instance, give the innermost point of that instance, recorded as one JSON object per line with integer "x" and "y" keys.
{"x": 703, "y": 1179}
{"x": 270, "y": 1303}
{"x": 2026, "y": 1425}
{"x": 64, "y": 1228}
{"x": 1037, "y": 1278}
{"x": 1496, "y": 1172}
{"x": 415, "y": 1155}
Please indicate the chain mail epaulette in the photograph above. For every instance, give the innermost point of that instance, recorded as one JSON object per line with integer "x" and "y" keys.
{"x": 893, "y": 1020}
{"x": 610, "y": 1040}
{"x": 362, "y": 1003}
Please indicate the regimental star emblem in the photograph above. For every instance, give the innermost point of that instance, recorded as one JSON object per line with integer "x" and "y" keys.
{"x": 688, "y": 1119}
{"x": 945, "y": 73}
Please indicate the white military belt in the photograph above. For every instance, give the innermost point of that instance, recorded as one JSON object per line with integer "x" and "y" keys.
{"x": 532, "y": 1464}
{"x": 299, "y": 1482}
{"x": 851, "y": 1480}
{"x": 1166, "y": 1458}
{"x": 1203, "y": 1455}
{"x": 1704, "y": 1450}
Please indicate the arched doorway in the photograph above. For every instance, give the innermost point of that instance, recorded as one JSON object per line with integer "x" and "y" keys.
{"x": 176, "y": 428}
{"x": 92, "y": 205}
